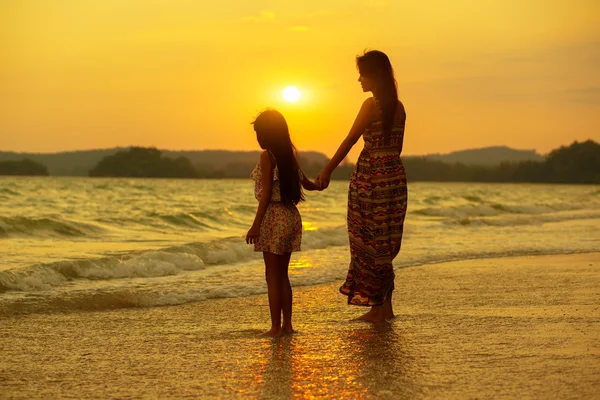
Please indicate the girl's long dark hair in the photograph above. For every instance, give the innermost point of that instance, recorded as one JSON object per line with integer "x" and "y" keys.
{"x": 376, "y": 66}
{"x": 273, "y": 135}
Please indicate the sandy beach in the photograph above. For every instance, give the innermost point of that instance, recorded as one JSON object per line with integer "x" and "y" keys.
{"x": 519, "y": 327}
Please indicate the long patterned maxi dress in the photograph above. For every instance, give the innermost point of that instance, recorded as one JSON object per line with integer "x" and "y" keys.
{"x": 377, "y": 200}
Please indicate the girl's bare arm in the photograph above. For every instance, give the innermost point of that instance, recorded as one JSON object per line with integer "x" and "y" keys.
{"x": 307, "y": 184}
{"x": 266, "y": 166}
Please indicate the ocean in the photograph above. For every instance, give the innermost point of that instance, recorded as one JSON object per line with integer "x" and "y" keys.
{"x": 77, "y": 244}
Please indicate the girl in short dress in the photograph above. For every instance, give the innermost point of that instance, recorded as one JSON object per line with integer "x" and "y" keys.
{"x": 277, "y": 227}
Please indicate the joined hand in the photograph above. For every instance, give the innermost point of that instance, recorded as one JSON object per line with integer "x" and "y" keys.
{"x": 322, "y": 180}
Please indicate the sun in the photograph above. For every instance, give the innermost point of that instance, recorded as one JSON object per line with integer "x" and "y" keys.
{"x": 291, "y": 94}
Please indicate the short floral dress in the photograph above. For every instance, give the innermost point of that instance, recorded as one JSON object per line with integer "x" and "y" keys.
{"x": 281, "y": 227}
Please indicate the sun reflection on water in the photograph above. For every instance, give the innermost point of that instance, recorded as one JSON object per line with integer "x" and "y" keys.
{"x": 299, "y": 264}
{"x": 309, "y": 226}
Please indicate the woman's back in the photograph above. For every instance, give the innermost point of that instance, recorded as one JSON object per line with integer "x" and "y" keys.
{"x": 375, "y": 138}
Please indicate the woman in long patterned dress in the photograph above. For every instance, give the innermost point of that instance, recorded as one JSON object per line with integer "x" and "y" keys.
{"x": 377, "y": 196}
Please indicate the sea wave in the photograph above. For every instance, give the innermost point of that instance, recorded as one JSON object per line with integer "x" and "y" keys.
{"x": 47, "y": 226}
{"x": 152, "y": 263}
{"x": 85, "y": 244}
{"x": 101, "y": 300}
{"x": 8, "y": 191}
{"x": 59, "y": 226}
{"x": 496, "y": 209}
{"x": 196, "y": 289}
{"x": 148, "y": 264}
{"x": 521, "y": 220}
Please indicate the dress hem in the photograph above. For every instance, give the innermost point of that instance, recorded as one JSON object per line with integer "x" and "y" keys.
{"x": 272, "y": 252}
{"x": 351, "y": 296}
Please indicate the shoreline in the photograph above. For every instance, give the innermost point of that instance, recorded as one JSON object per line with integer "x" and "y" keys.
{"x": 99, "y": 302}
{"x": 338, "y": 179}
{"x": 526, "y": 326}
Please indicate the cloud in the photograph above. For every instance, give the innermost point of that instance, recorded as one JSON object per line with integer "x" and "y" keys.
{"x": 263, "y": 16}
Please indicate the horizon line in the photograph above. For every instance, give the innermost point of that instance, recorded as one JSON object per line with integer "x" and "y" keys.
{"x": 258, "y": 150}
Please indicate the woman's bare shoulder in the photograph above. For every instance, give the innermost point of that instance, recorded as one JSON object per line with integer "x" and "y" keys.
{"x": 370, "y": 102}
{"x": 369, "y": 108}
{"x": 401, "y": 107}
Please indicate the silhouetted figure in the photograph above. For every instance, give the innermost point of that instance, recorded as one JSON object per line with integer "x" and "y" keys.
{"x": 277, "y": 227}
{"x": 377, "y": 196}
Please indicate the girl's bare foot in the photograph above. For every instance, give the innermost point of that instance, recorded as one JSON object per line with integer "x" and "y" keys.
{"x": 273, "y": 332}
{"x": 287, "y": 330}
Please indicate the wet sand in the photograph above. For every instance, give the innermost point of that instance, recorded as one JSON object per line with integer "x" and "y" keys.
{"x": 488, "y": 328}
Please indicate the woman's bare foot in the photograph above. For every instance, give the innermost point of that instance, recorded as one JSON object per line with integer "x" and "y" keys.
{"x": 374, "y": 315}
{"x": 273, "y": 332}
{"x": 287, "y": 330}
{"x": 388, "y": 312}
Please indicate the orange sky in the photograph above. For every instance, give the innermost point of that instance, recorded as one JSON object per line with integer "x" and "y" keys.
{"x": 189, "y": 74}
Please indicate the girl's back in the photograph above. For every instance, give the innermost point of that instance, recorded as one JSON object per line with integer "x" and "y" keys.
{"x": 281, "y": 227}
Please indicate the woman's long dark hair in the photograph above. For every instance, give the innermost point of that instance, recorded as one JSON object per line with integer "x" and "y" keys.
{"x": 376, "y": 66}
{"x": 273, "y": 135}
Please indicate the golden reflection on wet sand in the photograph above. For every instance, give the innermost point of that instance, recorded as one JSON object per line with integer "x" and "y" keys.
{"x": 473, "y": 340}
{"x": 358, "y": 361}
{"x": 277, "y": 379}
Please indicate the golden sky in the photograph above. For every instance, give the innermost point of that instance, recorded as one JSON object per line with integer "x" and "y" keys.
{"x": 192, "y": 74}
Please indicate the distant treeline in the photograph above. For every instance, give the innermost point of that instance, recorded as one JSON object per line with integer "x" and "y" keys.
{"x": 140, "y": 162}
{"x": 149, "y": 162}
{"x": 23, "y": 167}
{"x": 577, "y": 163}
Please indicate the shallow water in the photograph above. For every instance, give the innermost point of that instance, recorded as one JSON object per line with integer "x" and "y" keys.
{"x": 86, "y": 243}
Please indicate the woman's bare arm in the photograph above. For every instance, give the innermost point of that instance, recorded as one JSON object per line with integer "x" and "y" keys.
{"x": 362, "y": 121}
{"x": 306, "y": 183}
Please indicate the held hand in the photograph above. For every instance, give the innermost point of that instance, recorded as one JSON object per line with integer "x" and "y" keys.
{"x": 252, "y": 235}
{"x": 323, "y": 179}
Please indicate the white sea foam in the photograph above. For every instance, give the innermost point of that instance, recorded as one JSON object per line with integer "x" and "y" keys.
{"x": 170, "y": 261}
{"x": 149, "y": 264}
